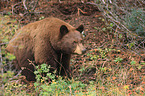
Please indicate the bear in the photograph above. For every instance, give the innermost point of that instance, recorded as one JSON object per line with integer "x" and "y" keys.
{"x": 51, "y": 41}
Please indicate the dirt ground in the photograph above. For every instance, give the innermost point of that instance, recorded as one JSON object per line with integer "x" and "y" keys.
{"x": 92, "y": 19}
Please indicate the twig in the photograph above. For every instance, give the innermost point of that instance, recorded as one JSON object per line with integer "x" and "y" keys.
{"x": 80, "y": 10}
{"x": 35, "y": 5}
{"x": 1, "y": 67}
{"x": 14, "y": 6}
{"x": 60, "y": 1}
{"x": 3, "y": 43}
{"x": 24, "y": 1}
{"x": 31, "y": 63}
{"x": 1, "y": 60}
{"x": 93, "y": 4}
{"x": 16, "y": 76}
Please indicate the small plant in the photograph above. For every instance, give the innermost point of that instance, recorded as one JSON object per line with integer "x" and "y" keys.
{"x": 40, "y": 73}
{"x": 57, "y": 86}
{"x": 130, "y": 45}
{"x": 103, "y": 52}
{"x": 11, "y": 87}
{"x": 10, "y": 56}
{"x": 118, "y": 59}
{"x": 92, "y": 56}
{"x": 42, "y": 17}
{"x": 133, "y": 62}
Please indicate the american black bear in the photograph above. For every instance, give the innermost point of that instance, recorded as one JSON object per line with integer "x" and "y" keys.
{"x": 50, "y": 41}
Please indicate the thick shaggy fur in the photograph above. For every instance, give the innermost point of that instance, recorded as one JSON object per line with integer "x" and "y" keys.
{"x": 50, "y": 41}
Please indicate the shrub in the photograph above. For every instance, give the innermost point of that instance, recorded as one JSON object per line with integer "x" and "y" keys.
{"x": 58, "y": 86}
{"x": 135, "y": 21}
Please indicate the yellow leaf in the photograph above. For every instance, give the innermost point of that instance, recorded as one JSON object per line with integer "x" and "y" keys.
{"x": 113, "y": 78}
{"x": 126, "y": 87}
{"x": 108, "y": 78}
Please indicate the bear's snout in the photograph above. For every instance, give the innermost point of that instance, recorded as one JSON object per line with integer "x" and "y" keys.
{"x": 84, "y": 51}
{"x": 80, "y": 49}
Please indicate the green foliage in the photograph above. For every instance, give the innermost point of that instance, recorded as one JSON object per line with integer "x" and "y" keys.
{"x": 130, "y": 45}
{"x": 9, "y": 86}
{"x": 135, "y": 21}
{"x": 103, "y": 69}
{"x": 7, "y": 30}
{"x": 103, "y": 52}
{"x": 9, "y": 13}
{"x": 133, "y": 62}
{"x": 10, "y": 56}
{"x": 96, "y": 28}
{"x": 6, "y": 76}
{"x": 92, "y": 56}
{"x": 42, "y": 17}
{"x": 104, "y": 29}
{"x": 55, "y": 87}
{"x": 143, "y": 63}
{"x": 118, "y": 59}
{"x": 120, "y": 36}
{"x": 136, "y": 65}
{"x": 111, "y": 24}
{"x": 41, "y": 71}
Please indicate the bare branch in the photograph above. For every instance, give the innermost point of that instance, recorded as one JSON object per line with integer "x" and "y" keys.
{"x": 24, "y": 4}
{"x": 1, "y": 60}
{"x": 35, "y": 5}
{"x": 14, "y": 6}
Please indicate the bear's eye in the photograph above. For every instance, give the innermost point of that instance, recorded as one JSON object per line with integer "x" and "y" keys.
{"x": 81, "y": 40}
{"x": 75, "y": 41}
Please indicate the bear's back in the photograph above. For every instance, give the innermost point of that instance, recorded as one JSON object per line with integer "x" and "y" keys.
{"x": 48, "y": 28}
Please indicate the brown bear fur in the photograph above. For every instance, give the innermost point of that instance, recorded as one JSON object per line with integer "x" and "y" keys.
{"x": 50, "y": 41}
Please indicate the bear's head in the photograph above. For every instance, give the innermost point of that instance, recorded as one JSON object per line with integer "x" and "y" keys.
{"x": 70, "y": 40}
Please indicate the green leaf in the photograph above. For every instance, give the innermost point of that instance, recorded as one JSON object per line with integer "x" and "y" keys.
{"x": 143, "y": 63}
{"x": 103, "y": 29}
{"x": 5, "y": 40}
{"x": 36, "y": 84}
{"x": 133, "y": 62}
{"x": 120, "y": 36}
{"x": 9, "y": 13}
{"x": 10, "y": 56}
{"x": 95, "y": 28}
{"x": 111, "y": 24}
{"x": 103, "y": 19}
{"x": 139, "y": 67}
{"x": 118, "y": 59}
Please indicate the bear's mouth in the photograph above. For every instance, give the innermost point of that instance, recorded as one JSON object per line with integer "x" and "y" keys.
{"x": 80, "y": 49}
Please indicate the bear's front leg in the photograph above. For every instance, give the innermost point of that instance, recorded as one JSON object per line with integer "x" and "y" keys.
{"x": 65, "y": 65}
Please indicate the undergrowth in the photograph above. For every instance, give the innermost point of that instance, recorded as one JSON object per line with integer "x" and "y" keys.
{"x": 113, "y": 74}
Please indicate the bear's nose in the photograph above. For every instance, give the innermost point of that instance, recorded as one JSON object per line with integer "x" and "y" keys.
{"x": 84, "y": 51}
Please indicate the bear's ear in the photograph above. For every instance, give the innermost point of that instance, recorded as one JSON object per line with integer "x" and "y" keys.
{"x": 80, "y": 28}
{"x": 63, "y": 31}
